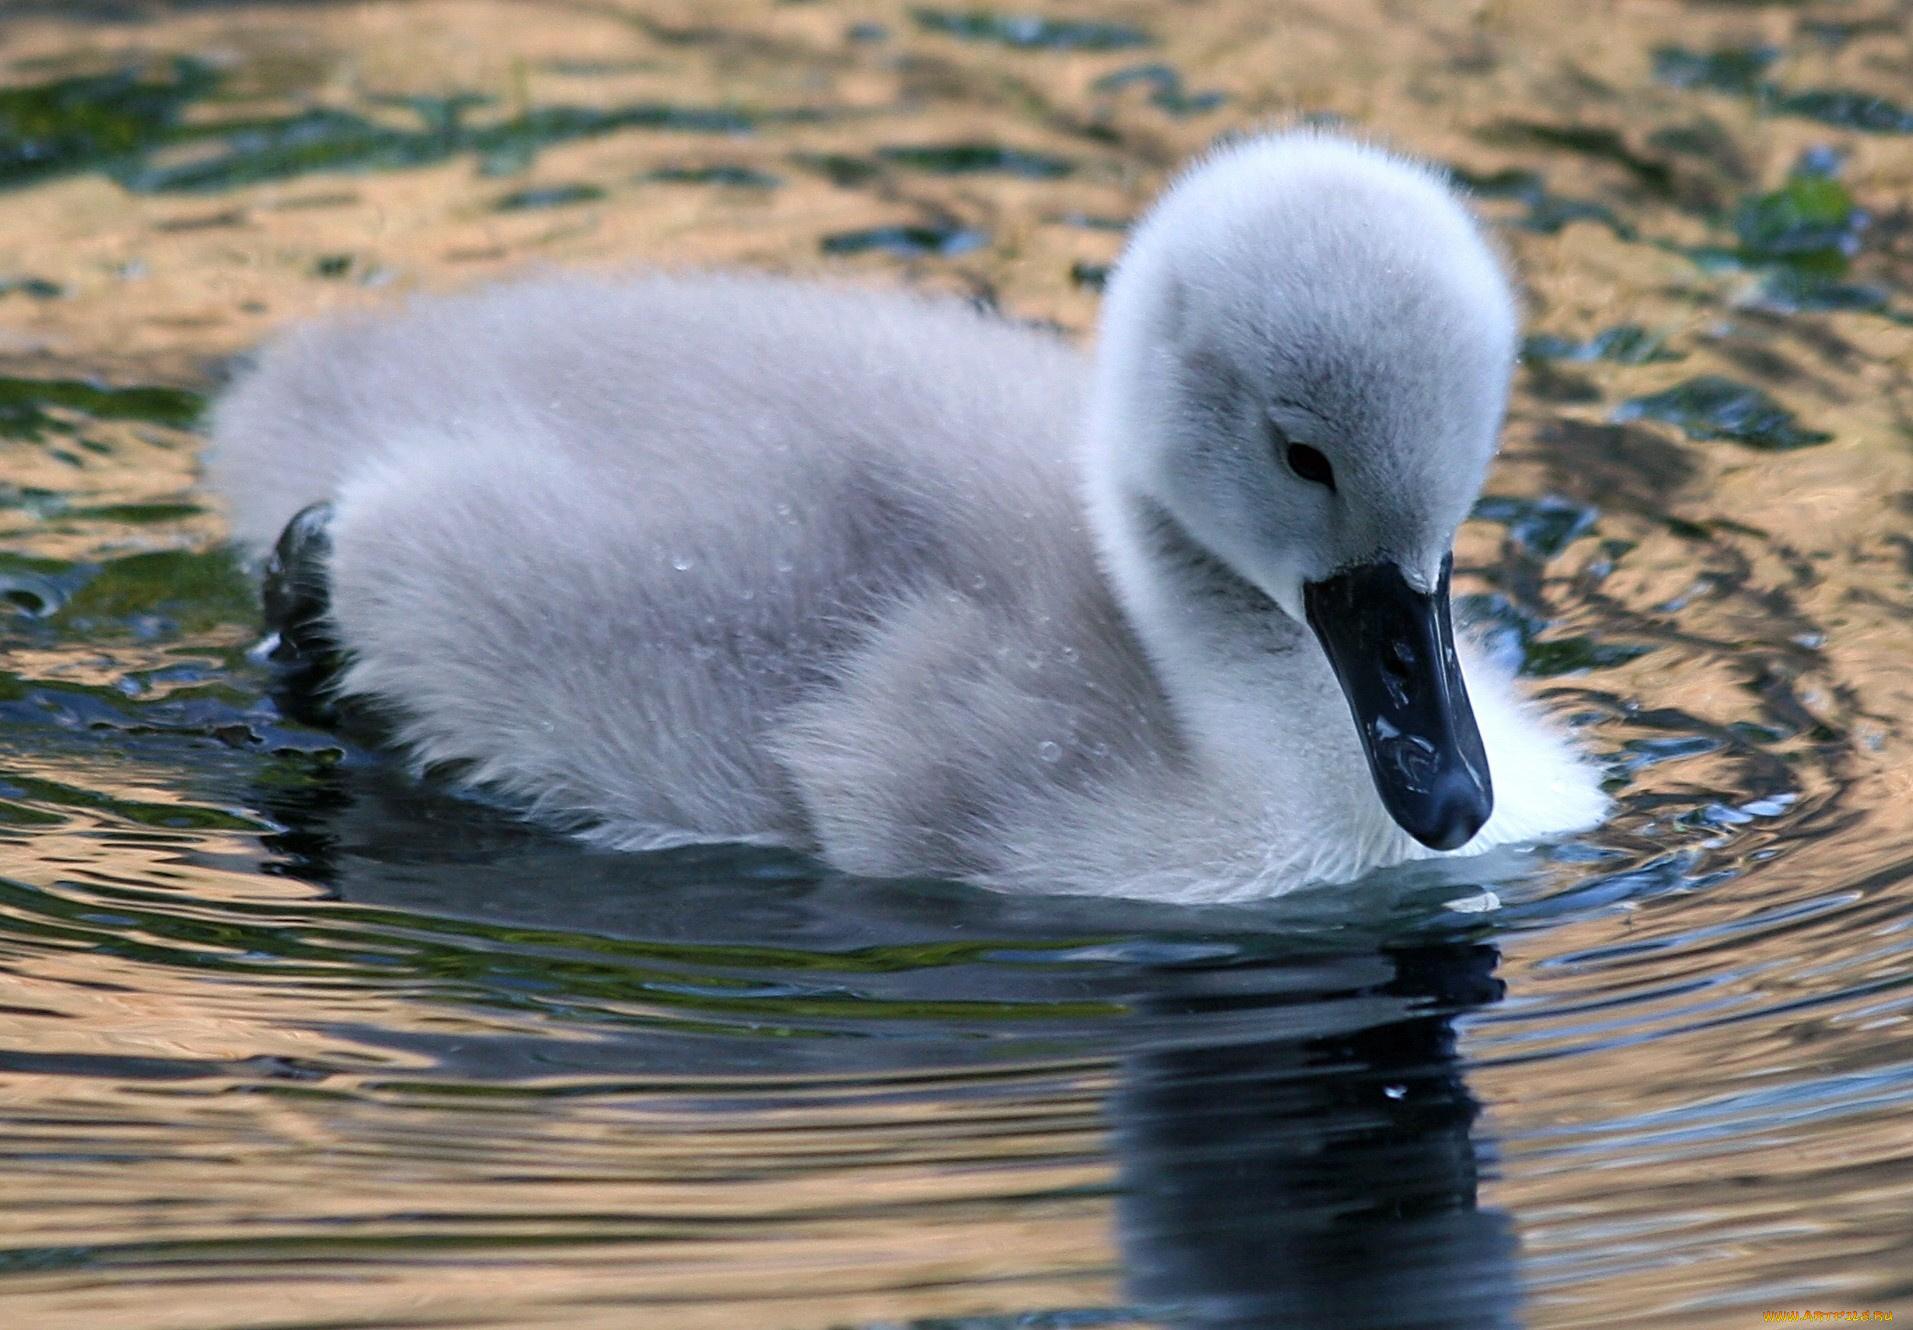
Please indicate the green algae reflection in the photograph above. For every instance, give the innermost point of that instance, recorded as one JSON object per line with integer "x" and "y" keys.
{"x": 1743, "y": 71}
{"x": 119, "y": 123}
{"x": 27, "y": 406}
{"x": 738, "y": 989}
{"x": 77, "y": 124}
{"x": 976, "y": 159}
{"x": 1713, "y": 406}
{"x": 1029, "y": 31}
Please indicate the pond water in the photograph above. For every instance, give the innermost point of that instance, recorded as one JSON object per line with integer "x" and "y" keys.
{"x": 288, "y": 1040}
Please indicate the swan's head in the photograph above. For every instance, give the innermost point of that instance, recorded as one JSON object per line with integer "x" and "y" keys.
{"x": 1303, "y": 365}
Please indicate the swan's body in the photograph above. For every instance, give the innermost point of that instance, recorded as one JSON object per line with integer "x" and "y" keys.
{"x": 682, "y": 559}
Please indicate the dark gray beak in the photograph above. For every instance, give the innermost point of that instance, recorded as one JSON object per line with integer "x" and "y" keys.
{"x": 1393, "y": 649}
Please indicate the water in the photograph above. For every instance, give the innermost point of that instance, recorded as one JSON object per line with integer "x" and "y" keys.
{"x": 292, "y": 1041}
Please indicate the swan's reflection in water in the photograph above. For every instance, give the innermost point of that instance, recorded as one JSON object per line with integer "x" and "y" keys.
{"x": 1294, "y": 1139}
{"x": 1323, "y": 1178}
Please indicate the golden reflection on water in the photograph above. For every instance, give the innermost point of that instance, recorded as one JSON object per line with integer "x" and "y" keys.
{"x": 1771, "y": 585}
{"x": 607, "y": 1182}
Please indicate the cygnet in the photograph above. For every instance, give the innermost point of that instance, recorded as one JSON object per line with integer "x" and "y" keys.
{"x": 670, "y": 559}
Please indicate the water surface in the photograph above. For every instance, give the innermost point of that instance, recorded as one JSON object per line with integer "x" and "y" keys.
{"x": 291, "y": 1040}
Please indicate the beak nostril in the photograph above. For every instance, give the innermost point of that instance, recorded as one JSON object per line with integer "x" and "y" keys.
{"x": 1398, "y": 659}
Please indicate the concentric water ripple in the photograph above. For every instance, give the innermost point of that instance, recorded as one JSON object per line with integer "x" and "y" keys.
{"x": 288, "y": 1039}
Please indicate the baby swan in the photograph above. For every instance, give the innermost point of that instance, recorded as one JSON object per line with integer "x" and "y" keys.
{"x": 726, "y": 558}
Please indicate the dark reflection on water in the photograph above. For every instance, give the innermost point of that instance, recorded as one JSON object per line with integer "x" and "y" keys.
{"x": 737, "y": 937}
{"x": 1293, "y": 1137}
{"x": 289, "y": 1039}
{"x": 1329, "y": 1177}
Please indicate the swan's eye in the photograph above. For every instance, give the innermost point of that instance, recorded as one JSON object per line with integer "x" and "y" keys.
{"x": 1309, "y": 464}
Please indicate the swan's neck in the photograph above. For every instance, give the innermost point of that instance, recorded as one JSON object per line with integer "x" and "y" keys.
{"x": 1244, "y": 678}
{"x": 1233, "y": 664}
